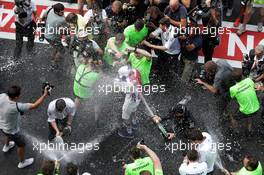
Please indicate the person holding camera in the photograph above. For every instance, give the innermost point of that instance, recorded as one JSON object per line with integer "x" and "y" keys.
{"x": 115, "y": 51}
{"x": 55, "y": 25}
{"x": 10, "y": 114}
{"x": 176, "y": 13}
{"x": 76, "y": 22}
{"x": 212, "y": 20}
{"x": 60, "y": 115}
{"x": 170, "y": 47}
{"x": 258, "y": 57}
{"x": 181, "y": 121}
{"x": 152, "y": 18}
{"x": 117, "y": 19}
{"x": 25, "y": 25}
{"x": 96, "y": 18}
{"x": 190, "y": 46}
{"x": 245, "y": 94}
{"x": 191, "y": 164}
{"x": 222, "y": 72}
{"x": 83, "y": 47}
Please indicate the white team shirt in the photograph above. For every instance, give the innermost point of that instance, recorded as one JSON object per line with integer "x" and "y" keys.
{"x": 207, "y": 151}
{"x": 193, "y": 168}
{"x": 168, "y": 40}
{"x": 53, "y": 114}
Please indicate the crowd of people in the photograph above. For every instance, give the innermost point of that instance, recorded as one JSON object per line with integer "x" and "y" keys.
{"x": 138, "y": 40}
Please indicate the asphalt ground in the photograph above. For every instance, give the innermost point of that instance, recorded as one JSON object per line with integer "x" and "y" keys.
{"x": 31, "y": 71}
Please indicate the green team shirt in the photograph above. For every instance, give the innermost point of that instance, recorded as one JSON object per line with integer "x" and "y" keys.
{"x": 244, "y": 171}
{"x": 245, "y": 93}
{"x": 108, "y": 59}
{"x": 260, "y": 2}
{"x": 158, "y": 172}
{"x": 143, "y": 65}
{"x": 142, "y": 164}
{"x": 134, "y": 37}
{"x": 84, "y": 81}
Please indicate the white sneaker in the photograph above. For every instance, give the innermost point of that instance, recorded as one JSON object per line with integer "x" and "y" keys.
{"x": 7, "y": 148}
{"x": 260, "y": 26}
{"x": 25, "y": 163}
{"x": 229, "y": 12}
{"x": 241, "y": 29}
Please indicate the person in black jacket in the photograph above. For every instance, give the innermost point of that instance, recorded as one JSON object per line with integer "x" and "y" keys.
{"x": 179, "y": 121}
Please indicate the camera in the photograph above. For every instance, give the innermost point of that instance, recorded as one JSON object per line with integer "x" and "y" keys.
{"x": 49, "y": 87}
{"x": 128, "y": 7}
{"x": 22, "y": 3}
{"x": 41, "y": 26}
{"x": 244, "y": 2}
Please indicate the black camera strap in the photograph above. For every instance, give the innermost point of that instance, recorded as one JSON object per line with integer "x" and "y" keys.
{"x": 21, "y": 112}
{"x": 46, "y": 16}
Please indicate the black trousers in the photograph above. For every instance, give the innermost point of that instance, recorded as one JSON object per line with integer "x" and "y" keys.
{"x": 208, "y": 48}
{"x": 24, "y": 31}
{"x": 60, "y": 124}
{"x": 167, "y": 65}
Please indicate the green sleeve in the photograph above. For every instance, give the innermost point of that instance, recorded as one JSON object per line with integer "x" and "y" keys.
{"x": 232, "y": 93}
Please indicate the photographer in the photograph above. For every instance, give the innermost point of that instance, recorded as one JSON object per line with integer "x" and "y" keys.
{"x": 117, "y": 17}
{"x": 140, "y": 164}
{"x": 96, "y": 18}
{"x": 176, "y": 13}
{"x": 190, "y": 46}
{"x": 152, "y": 18}
{"x": 115, "y": 51}
{"x": 181, "y": 121}
{"x": 135, "y": 33}
{"x": 10, "y": 114}
{"x": 54, "y": 29}
{"x": 76, "y": 22}
{"x": 212, "y": 20}
{"x": 83, "y": 46}
{"x": 170, "y": 46}
{"x": 191, "y": 164}
{"x": 222, "y": 72}
{"x": 134, "y": 10}
{"x": 245, "y": 94}
{"x": 25, "y": 25}
{"x": 258, "y": 56}
{"x": 60, "y": 115}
